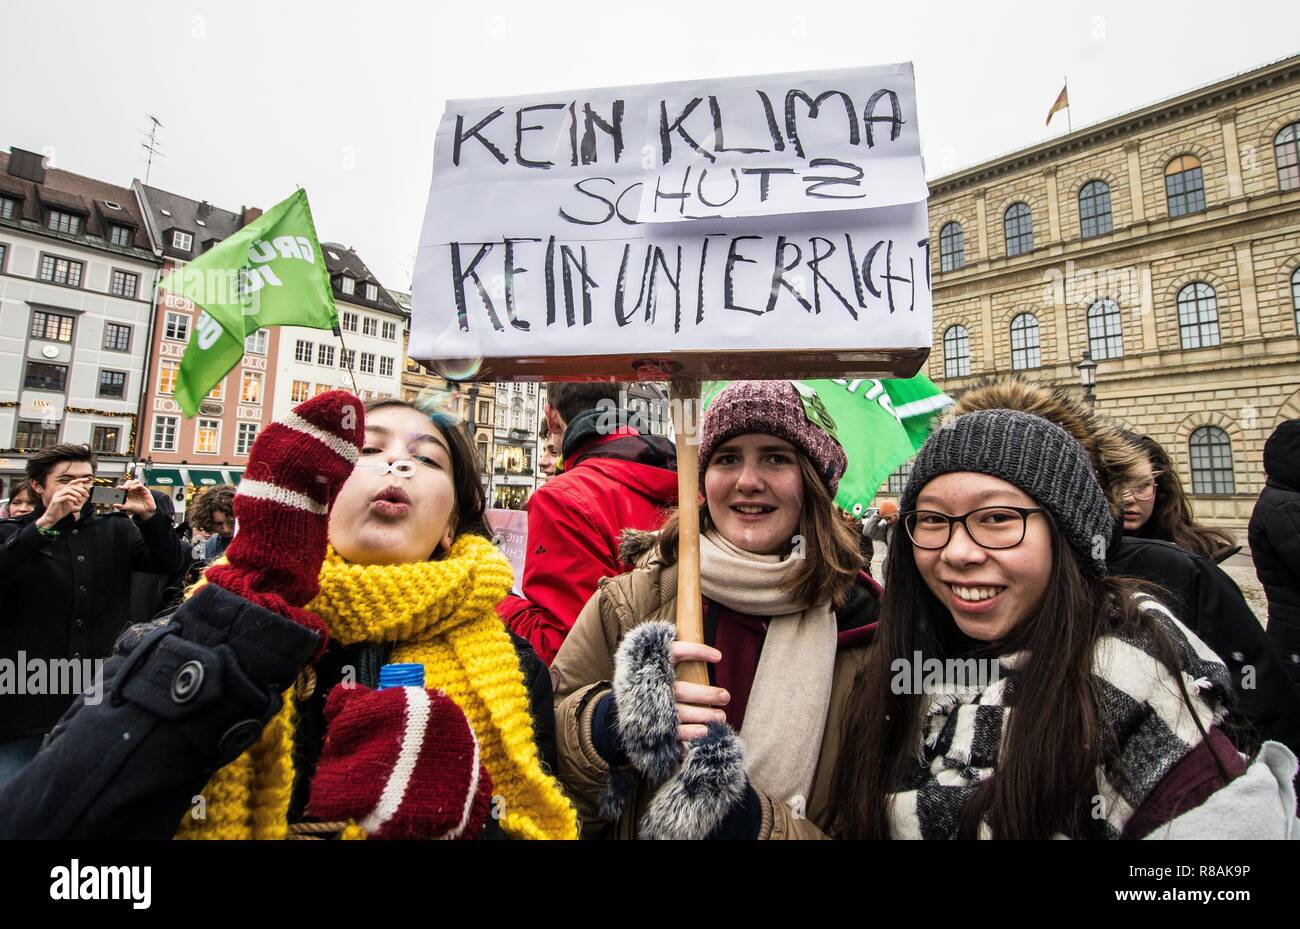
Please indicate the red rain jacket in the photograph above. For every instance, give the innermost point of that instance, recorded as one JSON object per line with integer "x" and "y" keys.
{"x": 575, "y": 521}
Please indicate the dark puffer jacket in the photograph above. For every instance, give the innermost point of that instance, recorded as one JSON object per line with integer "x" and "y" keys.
{"x": 1275, "y": 541}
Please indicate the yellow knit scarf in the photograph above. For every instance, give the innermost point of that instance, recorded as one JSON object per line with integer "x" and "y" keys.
{"x": 442, "y": 615}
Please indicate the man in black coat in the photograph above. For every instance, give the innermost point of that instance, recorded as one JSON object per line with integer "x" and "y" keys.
{"x": 1275, "y": 541}
{"x": 65, "y": 581}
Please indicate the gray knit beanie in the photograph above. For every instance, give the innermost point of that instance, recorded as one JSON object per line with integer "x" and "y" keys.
{"x": 1038, "y": 456}
{"x": 772, "y": 408}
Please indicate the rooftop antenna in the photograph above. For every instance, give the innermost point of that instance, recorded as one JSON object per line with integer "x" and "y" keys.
{"x": 152, "y": 145}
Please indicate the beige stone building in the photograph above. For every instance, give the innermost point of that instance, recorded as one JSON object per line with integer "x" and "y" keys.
{"x": 1165, "y": 242}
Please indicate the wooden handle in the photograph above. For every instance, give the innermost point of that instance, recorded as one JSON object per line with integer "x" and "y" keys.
{"x": 684, "y": 400}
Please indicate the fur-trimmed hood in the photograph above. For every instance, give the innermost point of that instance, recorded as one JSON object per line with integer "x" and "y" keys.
{"x": 1113, "y": 460}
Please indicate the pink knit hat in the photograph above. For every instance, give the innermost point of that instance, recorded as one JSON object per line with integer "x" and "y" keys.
{"x": 772, "y": 408}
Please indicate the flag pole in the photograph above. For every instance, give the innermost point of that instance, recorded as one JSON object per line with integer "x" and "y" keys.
{"x": 1069, "y": 119}
{"x": 684, "y": 402}
{"x": 338, "y": 331}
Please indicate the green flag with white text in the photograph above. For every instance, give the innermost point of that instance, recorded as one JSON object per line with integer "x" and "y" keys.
{"x": 270, "y": 273}
{"x": 880, "y": 423}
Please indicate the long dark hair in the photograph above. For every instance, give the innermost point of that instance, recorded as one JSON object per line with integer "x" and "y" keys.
{"x": 1056, "y": 737}
{"x": 465, "y": 467}
{"x": 831, "y": 560}
{"x": 1171, "y": 514}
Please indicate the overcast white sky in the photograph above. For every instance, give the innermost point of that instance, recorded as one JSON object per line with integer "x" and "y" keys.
{"x": 343, "y": 98}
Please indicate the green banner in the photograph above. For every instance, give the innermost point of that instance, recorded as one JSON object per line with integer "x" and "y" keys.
{"x": 880, "y": 423}
{"x": 270, "y": 273}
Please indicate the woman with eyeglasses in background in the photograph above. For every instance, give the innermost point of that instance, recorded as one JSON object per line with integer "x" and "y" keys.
{"x": 1156, "y": 507}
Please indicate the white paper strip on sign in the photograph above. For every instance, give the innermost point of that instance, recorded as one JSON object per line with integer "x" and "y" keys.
{"x": 771, "y": 213}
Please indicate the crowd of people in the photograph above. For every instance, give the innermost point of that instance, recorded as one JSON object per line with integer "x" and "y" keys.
{"x": 1051, "y": 650}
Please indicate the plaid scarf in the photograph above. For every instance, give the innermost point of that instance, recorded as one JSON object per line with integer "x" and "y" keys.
{"x": 1139, "y": 702}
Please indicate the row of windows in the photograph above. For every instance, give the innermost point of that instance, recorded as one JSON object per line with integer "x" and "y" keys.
{"x": 41, "y": 375}
{"x": 305, "y": 351}
{"x": 369, "y": 325}
{"x": 250, "y": 383}
{"x": 1209, "y": 450}
{"x": 1184, "y": 194}
{"x": 56, "y": 270}
{"x": 58, "y": 327}
{"x": 207, "y": 435}
{"x": 1198, "y": 327}
{"x": 33, "y": 435}
{"x": 176, "y": 326}
{"x": 349, "y": 286}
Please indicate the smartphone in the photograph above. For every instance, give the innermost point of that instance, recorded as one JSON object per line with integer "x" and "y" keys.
{"x": 871, "y": 511}
{"x": 107, "y": 496}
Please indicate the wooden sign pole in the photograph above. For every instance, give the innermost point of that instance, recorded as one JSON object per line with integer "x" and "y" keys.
{"x": 684, "y": 400}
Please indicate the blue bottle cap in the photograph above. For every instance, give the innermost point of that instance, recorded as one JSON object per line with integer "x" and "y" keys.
{"x": 401, "y": 675}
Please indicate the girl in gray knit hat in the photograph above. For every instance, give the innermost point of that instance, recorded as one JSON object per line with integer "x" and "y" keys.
{"x": 786, "y": 616}
{"x": 1016, "y": 690}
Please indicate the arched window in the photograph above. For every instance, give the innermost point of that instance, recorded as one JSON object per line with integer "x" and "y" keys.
{"x": 1286, "y": 149}
{"x": 1295, "y": 296}
{"x": 1105, "y": 331}
{"x": 1211, "y": 454}
{"x": 1024, "y": 342}
{"x": 952, "y": 248}
{"x": 1018, "y": 228}
{"x": 1094, "y": 209}
{"x": 1198, "y": 316}
{"x": 956, "y": 352}
{"x": 1184, "y": 186}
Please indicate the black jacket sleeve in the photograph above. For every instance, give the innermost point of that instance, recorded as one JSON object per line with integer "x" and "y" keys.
{"x": 1210, "y": 604}
{"x": 154, "y": 546}
{"x": 541, "y": 701}
{"x": 179, "y": 700}
{"x": 18, "y": 543}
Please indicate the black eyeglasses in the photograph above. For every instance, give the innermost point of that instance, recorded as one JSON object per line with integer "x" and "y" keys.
{"x": 993, "y": 527}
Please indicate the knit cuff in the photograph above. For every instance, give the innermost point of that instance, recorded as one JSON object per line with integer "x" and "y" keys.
{"x": 604, "y": 732}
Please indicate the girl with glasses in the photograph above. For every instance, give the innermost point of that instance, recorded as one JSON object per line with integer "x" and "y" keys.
{"x": 1156, "y": 507}
{"x": 1107, "y": 717}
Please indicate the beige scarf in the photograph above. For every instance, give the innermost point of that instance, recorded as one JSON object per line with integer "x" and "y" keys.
{"x": 790, "y": 697}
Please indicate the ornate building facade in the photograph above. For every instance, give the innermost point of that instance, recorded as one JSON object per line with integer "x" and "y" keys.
{"x": 1165, "y": 243}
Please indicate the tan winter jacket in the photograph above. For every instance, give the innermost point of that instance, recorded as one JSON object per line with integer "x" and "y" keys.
{"x": 584, "y": 669}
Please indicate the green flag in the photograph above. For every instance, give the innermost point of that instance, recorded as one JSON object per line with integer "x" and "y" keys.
{"x": 270, "y": 273}
{"x": 880, "y": 423}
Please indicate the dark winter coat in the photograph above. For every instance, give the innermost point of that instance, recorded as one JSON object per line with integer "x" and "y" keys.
{"x": 1207, "y": 601}
{"x": 70, "y": 597}
{"x": 575, "y": 520}
{"x": 129, "y": 766}
{"x": 1275, "y": 540}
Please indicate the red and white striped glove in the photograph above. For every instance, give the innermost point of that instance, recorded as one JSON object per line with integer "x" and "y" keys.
{"x": 403, "y": 763}
{"x": 295, "y": 470}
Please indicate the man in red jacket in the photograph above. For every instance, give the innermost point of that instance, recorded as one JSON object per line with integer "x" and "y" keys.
{"x": 611, "y": 478}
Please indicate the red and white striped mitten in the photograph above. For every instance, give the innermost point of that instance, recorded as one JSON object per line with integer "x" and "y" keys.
{"x": 403, "y": 763}
{"x": 295, "y": 470}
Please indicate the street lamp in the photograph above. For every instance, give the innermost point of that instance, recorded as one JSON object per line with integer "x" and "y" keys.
{"x": 1087, "y": 369}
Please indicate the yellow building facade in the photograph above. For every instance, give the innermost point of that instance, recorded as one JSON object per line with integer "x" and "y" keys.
{"x": 1166, "y": 244}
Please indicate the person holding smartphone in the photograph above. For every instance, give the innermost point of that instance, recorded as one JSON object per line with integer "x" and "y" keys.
{"x": 65, "y": 578}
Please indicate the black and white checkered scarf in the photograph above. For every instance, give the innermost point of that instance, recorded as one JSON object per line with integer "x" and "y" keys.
{"x": 963, "y": 728}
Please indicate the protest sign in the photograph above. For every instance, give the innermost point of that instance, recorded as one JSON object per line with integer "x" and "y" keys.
{"x": 721, "y": 228}
{"x": 737, "y": 228}
{"x": 510, "y": 533}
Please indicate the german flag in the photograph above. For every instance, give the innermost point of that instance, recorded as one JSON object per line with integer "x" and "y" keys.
{"x": 1062, "y": 101}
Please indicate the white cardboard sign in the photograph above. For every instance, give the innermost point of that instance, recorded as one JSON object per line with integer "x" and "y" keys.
{"x": 736, "y": 215}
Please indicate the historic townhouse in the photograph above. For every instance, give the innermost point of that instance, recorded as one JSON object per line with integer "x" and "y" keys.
{"x": 76, "y": 286}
